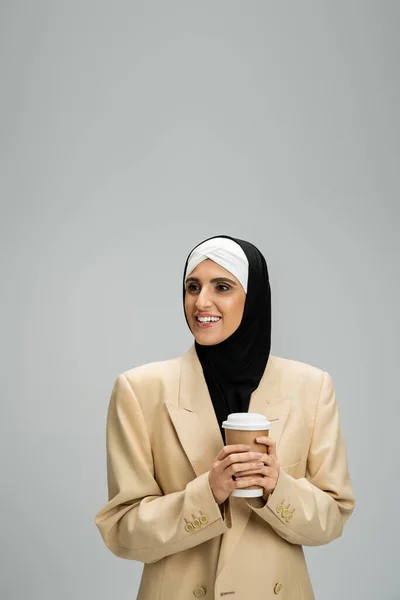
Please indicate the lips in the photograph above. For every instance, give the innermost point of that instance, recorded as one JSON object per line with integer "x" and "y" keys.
{"x": 207, "y": 324}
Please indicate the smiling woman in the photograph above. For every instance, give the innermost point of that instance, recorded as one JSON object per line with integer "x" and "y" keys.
{"x": 171, "y": 475}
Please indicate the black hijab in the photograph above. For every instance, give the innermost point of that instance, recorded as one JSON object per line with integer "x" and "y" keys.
{"x": 233, "y": 368}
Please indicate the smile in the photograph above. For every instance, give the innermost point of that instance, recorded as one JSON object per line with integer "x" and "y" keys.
{"x": 206, "y": 322}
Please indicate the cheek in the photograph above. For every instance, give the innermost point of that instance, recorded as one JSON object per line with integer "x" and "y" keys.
{"x": 233, "y": 312}
{"x": 188, "y": 306}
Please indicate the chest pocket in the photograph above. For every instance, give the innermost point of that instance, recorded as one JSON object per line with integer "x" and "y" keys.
{"x": 290, "y": 432}
{"x": 296, "y": 469}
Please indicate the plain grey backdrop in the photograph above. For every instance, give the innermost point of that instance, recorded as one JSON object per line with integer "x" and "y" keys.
{"x": 132, "y": 130}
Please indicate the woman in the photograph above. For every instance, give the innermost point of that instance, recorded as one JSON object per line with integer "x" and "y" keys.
{"x": 170, "y": 475}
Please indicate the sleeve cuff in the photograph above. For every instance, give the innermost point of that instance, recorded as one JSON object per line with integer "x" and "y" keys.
{"x": 201, "y": 490}
{"x": 275, "y": 498}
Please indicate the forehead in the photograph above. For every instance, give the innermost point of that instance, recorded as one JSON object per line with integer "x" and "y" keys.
{"x": 208, "y": 269}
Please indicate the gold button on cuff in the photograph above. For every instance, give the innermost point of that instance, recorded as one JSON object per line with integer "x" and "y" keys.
{"x": 199, "y": 592}
{"x": 289, "y": 517}
{"x": 279, "y": 508}
{"x": 285, "y": 513}
{"x": 204, "y": 519}
{"x": 278, "y": 588}
{"x": 189, "y": 527}
{"x": 196, "y": 523}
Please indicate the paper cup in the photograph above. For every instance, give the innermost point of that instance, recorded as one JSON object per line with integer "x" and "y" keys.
{"x": 244, "y": 428}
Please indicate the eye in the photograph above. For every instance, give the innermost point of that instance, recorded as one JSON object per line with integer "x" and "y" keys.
{"x": 191, "y": 287}
{"x": 223, "y": 285}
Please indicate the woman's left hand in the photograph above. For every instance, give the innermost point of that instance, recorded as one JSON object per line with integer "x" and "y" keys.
{"x": 268, "y": 475}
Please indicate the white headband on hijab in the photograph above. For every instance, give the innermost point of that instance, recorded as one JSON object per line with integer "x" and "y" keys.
{"x": 226, "y": 253}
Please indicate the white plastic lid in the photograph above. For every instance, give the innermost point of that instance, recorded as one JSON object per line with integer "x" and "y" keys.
{"x": 246, "y": 422}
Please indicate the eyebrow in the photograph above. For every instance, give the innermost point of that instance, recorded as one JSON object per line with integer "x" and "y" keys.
{"x": 215, "y": 280}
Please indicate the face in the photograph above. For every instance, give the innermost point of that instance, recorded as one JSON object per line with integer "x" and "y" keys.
{"x": 212, "y": 291}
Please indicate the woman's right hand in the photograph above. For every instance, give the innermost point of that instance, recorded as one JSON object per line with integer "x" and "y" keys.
{"x": 230, "y": 462}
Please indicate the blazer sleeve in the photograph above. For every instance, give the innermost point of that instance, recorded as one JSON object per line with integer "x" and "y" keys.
{"x": 312, "y": 510}
{"x": 139, "y": 522}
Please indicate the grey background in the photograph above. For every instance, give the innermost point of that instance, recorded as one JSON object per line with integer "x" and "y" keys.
{"x": 130, "y": 131}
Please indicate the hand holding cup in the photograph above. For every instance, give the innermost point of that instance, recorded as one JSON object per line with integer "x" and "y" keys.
{"x": 233, "y": 459}
{"x": 267, "y": 476}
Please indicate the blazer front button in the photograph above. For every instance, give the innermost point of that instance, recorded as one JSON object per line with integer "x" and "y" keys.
{"x": 189, "y": 527}
{"x": 199, "y": 592}
{"x": 278, "y": 588}
{"x": 204, "y": 519}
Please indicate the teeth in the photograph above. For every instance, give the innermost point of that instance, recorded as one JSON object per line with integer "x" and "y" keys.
{"x": 208, "y": 319}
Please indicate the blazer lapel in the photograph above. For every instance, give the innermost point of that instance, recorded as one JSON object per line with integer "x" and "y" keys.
{"x": 194, "y": 417}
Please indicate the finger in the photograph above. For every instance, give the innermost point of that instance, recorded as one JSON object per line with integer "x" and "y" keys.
{"x": 268, "y": 459}
{"x": 268, "y": 483}
{"x": 263, "y": 472}
{"x": 269, "y": 442}
{"x": 264, "y": 439}
{"x": 258, "y": 471}
{"x": 242, "y": 457}
{"x": 240, "y": 467}
{"x": 227, "y": 450}
{"x": 243, "y": 482}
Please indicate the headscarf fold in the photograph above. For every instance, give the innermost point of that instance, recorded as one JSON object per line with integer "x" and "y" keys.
{"x": 233, "y": 368}
{"x": 224, "y": 252}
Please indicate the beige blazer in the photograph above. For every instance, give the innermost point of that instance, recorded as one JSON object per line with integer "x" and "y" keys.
{"x": 162, "y": 438}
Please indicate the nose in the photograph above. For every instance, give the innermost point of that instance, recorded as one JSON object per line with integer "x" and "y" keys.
{"x": 203, "y": 301}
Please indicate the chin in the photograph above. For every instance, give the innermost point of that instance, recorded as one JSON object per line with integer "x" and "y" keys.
{"x": 205, "y": 340}
{"x": 206, "y": 343}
